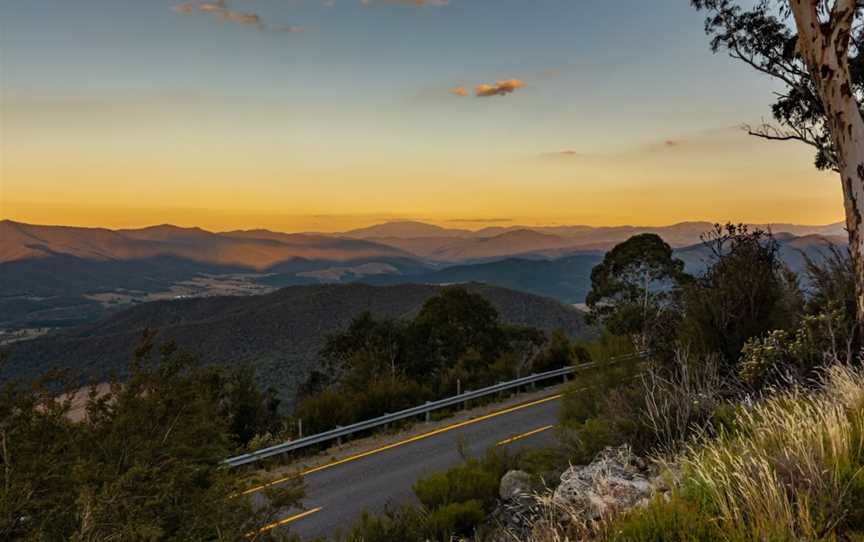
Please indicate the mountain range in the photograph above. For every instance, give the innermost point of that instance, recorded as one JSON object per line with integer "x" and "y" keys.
{"x": 59, "y": 276}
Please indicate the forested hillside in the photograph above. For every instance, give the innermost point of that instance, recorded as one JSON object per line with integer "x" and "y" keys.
{"x": 280, "y": 333}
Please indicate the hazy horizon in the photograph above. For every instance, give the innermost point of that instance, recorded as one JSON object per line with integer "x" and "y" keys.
{"x": 453, "y": 224}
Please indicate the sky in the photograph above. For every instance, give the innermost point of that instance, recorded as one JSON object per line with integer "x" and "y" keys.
{"x": 324, "y": 115}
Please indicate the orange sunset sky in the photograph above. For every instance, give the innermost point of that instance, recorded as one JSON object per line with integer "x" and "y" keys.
{"x": 327, "y": 116}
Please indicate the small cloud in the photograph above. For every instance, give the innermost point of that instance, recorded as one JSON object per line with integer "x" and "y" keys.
{"x": 212, "y": 7}
{"x": 289, "y": 28}
{"x": 241, "y": 18}
{"x": 500, "y": 88}
{"x": 185, "y": 8}
{"x": 459, "y": 91}
{"x": 672, "y": 142}
{"x": 220, "y": 9}
{"x": 567, "y": 153}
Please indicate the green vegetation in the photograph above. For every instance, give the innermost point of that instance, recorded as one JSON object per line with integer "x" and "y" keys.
{"x": 384, "y": 365}
{"x": 786, "y": 464}
{"x": 746, "y": 291}
{"x": 633, "y": 291}
{"x": 792, "y": 470}
{"x": 143, "y": 464}
{"x": 785, "y": 467}
{"x": 452, "y": 504}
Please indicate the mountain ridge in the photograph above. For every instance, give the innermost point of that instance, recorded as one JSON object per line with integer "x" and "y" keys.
{"x": 281, "y": 332}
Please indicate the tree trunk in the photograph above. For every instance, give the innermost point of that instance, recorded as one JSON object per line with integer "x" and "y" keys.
{"x": 824, "y": 47}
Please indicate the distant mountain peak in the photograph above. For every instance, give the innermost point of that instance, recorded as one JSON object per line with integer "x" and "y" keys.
{"x": 404, "y": 229}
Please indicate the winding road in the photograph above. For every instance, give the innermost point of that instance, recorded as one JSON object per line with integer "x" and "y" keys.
{"x": 338, "y": 492}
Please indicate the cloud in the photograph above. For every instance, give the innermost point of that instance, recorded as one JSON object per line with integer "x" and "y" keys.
{"x": 567, "y": 153}
{"x": 500, "y": 88}
{"x": 681, "y": 145}
{"x": 186, "y": 8}
{"x": 220, "y": 9}
{"x": 459, "y": 91}
{"x": 212, "y": 7}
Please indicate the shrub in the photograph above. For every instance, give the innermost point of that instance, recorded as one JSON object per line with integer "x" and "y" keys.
{"x": 782, "y": 358}
{"x": 546, "y": 464}
{"x": 475, "y": 480}
{"x": 600, "y": 408}
{"x": 559, "y": 352}
{"x": 745, "y": 292}
{"x": 682, "y": 399}
{"x": 394, "y": 525}
{"x": 454, "y": 519}
{"x": 674, "y": 521}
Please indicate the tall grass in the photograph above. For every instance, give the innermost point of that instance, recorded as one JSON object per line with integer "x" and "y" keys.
{"x": 786, "y": 471}
{"x": 789, "y": 467}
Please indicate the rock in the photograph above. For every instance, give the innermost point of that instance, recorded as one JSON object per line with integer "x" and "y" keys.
{"x": 612, "y": 482}
{"x": 514, "y": 484}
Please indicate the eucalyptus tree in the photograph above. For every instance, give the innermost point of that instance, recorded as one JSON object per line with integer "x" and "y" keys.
{"x": 633, "y": 288}
{"x": 813, "y": 48}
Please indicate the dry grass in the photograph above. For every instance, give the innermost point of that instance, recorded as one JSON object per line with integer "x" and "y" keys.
{"x": 784, "y": 473}
{"x": 678, "y": 402}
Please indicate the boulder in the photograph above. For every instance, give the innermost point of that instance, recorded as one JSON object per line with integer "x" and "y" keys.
{"x": 614, "y": 481}
{"x": 514, "y": 484}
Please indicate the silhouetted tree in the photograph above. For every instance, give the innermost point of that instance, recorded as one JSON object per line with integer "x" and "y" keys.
{"x": 450, "y": 324}
{"x": 745, "y": 292}
{"x": 634, "y": 286}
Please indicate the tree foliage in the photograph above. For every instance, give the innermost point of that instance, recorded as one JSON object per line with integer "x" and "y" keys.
{"x": 746, "y": 291}
{"x": 634, "y": 288}
{"x": 142, "y": 464}
{"x": 380, "y": 365}
{"x": 761, "y": 36}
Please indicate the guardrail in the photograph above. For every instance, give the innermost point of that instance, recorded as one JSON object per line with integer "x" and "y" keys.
{"x": 425, "y": 408}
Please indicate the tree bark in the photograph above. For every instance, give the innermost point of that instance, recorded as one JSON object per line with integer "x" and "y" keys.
{"x": 824, "y": 46}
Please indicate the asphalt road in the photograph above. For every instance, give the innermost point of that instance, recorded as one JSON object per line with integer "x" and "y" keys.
{"x": 337, "y": 494}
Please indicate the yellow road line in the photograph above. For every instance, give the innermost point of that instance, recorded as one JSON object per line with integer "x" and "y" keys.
{"x": 406, "y": 441}
{"x": 524, "y": 435}
{"x": 285, "y": 521}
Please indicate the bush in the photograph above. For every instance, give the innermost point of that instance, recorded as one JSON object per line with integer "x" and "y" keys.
{"x": 681, "y": 399}
{"x": 600, "y": 408}
{"x": 675, "y": 521}
{"x": 560, "y": 352}
{"x": 144, "y": 464}
{"x": 453, "y": 502}
{"x": 745, "y": 292}
{"x": 454, "y": 519}
{"x": 475, "y": 480}
{"x": 399, "y": 525}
